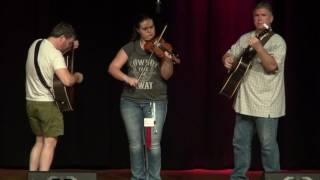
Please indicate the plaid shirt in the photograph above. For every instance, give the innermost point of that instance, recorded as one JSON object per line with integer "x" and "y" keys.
{"x": 261, "y": 94}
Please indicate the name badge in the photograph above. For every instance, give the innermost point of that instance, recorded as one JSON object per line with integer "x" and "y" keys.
{"x": 149, "y": 122}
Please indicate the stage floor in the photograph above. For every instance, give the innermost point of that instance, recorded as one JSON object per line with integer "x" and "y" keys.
{"x": 124, "y": 174}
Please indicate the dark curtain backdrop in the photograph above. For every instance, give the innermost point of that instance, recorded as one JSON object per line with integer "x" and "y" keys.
{"x": 199, "y": 127}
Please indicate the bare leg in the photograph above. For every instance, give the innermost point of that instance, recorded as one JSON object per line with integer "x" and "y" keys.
{"x": 35, "y": 154}
{"x": 47, "y": 153}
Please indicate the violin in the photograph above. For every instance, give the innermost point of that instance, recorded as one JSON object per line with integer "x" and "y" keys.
{"x": 159, "y": 47}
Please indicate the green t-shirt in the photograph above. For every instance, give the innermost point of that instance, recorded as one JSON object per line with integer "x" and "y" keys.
{"x": 151, "y": 85}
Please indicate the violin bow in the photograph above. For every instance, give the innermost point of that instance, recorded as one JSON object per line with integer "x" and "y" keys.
{"x": 163, "y": 30}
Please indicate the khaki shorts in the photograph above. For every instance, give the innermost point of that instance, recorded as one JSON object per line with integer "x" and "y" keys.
{"x": 45, "y": 118}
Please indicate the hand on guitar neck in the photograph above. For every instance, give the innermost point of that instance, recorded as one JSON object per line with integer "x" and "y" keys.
{"x": 255, "y": 43}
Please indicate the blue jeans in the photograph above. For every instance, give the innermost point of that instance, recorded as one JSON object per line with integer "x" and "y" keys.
{"x": 244, "y": 130}
{"x": 145, "y": 164}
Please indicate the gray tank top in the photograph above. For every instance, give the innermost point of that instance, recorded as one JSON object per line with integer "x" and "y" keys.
{"x": 151, "y": 85}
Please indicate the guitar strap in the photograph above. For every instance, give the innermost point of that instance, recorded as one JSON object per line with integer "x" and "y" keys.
{"x": 36, "y": 65}
{"x": 266, "y": 38}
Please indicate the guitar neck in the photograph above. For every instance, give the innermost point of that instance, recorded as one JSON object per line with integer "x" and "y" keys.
{"x": 69, "y": 57}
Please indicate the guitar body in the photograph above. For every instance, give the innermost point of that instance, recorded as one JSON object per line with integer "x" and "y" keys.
{"x": 233, "y": 80}
{"x": 64, "y": 96}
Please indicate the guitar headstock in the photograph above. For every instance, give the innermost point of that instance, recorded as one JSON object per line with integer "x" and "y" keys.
{"x": 265, "y": 31}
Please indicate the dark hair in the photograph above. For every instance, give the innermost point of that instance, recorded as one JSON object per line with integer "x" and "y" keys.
{"x": 264, "y": 4}
{"x": 63, "y": 28}
{"x": 136, "y": 25}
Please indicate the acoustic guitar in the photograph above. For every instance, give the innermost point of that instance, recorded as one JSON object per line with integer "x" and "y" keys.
{"x": 64, "y": 96}
{"x": 241, "y": 66}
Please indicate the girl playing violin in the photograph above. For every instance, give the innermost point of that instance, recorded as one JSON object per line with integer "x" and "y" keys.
{"x": 143, "y": 101}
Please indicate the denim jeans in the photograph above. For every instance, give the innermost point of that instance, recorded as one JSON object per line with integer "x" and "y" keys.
{"x": 244, "y": 130}
{"x": 145, "y": 164}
